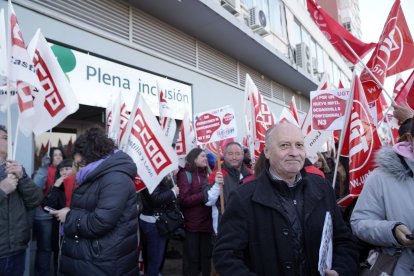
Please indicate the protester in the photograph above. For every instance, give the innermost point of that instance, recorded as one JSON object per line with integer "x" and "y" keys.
{"x": 163, "y": 198}
{"x": 43, "y": 223}
{"x": 231, "y": 176}
{"x": 197, "y": 217}
{"x": 59, "y": 196}
{"x": 100, "y": 227}
{"x": 18, "y": 196}
{"x": 383, "y": 214}
{"x": 273, "y": 224}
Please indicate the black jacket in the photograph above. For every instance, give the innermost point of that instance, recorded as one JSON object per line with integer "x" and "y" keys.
{"x": 256, "y": 235}
{"x": 16, "y": 215}
{"x": 100, "y": 232}
{"x": 161, "y": 199}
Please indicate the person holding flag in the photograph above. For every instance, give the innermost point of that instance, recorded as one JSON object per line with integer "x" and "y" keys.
{"x": 232, "y": 174}
{"x": 382, "y": 215}
{"x": 18, "y": 195}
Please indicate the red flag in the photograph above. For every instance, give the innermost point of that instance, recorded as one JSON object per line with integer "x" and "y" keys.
{"x": 334, "y": 32}
{"x": 361, "y": 140}
{"x": 406, "y": 95}
{"x": 392, "y": 55}
{"x": 340, "y": 85}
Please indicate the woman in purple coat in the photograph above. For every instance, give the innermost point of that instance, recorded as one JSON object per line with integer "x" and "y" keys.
{"x": 197, "y": 217}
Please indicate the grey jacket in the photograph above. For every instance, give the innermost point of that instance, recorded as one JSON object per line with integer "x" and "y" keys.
{"x": 15, "y": 216}
{"x": 386, "y": 199}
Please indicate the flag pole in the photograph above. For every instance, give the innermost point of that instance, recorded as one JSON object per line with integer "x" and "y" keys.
{"x": 9, "y": 124}
{"x": 221, "y": 186}
{"x": 343, "y": 132}
{"x": 373, "y": 76}
{"x": 16, "y": 137}
{"x": 369, "y": 71}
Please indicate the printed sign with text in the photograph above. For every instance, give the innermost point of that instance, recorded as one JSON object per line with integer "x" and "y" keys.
{"x": 215, "y": 125}
{"x": 328, "y": 108}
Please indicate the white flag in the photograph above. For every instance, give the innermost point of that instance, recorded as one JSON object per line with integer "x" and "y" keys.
{"x": 113, "y": 117}
{"x": 167, "y": 121}
{"x": 145, "y": 142}
{"x": 259, "y": 117}
{"x": 286, "y": 115}
{"x": 56, "y": 100}
{"x": 21, "y": 69}
{"x": 186, "y": 140}
{"x": 3, "y": 50}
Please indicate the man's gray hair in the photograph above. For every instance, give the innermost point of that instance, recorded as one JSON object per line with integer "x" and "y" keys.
{"x": 269, "y": 132}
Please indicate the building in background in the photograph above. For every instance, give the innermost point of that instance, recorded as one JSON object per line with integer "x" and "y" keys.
{"x": 346, "y": 12}
{"x": 203, "y": 47}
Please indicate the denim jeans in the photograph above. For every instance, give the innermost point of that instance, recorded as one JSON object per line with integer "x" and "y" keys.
{"x": 153, "y": 248}
{"x": 43, "y": 231}
{"x": 13, "y": 265}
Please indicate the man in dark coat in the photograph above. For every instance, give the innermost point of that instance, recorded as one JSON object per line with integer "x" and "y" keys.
{"x": 273, "y": 224}
{"x": 231, "y": 175}
{"x": 18, "y": 198}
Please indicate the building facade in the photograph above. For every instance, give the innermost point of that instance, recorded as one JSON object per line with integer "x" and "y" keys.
{"x": 204, "y": 48}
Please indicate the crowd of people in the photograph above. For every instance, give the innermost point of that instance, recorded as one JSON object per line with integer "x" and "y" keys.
{"x": 239, "y": 219}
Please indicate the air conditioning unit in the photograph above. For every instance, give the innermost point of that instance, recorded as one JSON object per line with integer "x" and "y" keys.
{"x": 315, "y": 65}
{"x": 303, "y": 58}
{"x": 233, "y": 6}
{"x": 258, "y": 21}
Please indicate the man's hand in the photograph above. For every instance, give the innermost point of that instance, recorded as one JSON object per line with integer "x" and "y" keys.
{"x": 9, "y": 184}
{"x": 219, "y": 178}
{"x": 12, "y": 167}
{"x": 329, "y": 272}
{"x": 402, "y": 113}
{"x": 400, "y": 233}
{"x": 60, "y": 214}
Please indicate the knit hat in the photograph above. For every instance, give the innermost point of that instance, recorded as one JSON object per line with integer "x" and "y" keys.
{"x": 65, "y": 164}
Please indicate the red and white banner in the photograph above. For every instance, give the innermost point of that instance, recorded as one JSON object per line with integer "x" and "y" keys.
{"x": 147, "y": 145}
{"x": 294, "y": 110}
{"x": 399, "y": 83}
{"x": 215, "y": 125}
{"x": 378, "y": 108}
{"x": 406, "y": 95}
{"x": 314, "y": 139}
{"x": 287, "y": 116}
{"x": 392, "y": 55}
{"x": 116, "y": 118}
{"x": 328, "y": 108}
{"x": 3, "y": 50}
{"x": 186, "y": 140}
{"x": 334, "y": 32}
{"x": 361, "y": 141}
{"x": 56, "y": 100}
{"x": 21, "y": 69}
{"x": 167, "y": 120}
{"x": 258, "y": 116}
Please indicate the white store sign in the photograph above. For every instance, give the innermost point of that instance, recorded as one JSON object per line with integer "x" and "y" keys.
{"x": 95, "y": 81}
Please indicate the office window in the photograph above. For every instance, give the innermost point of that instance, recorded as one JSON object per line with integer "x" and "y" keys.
{"x": 277, "y": 17}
